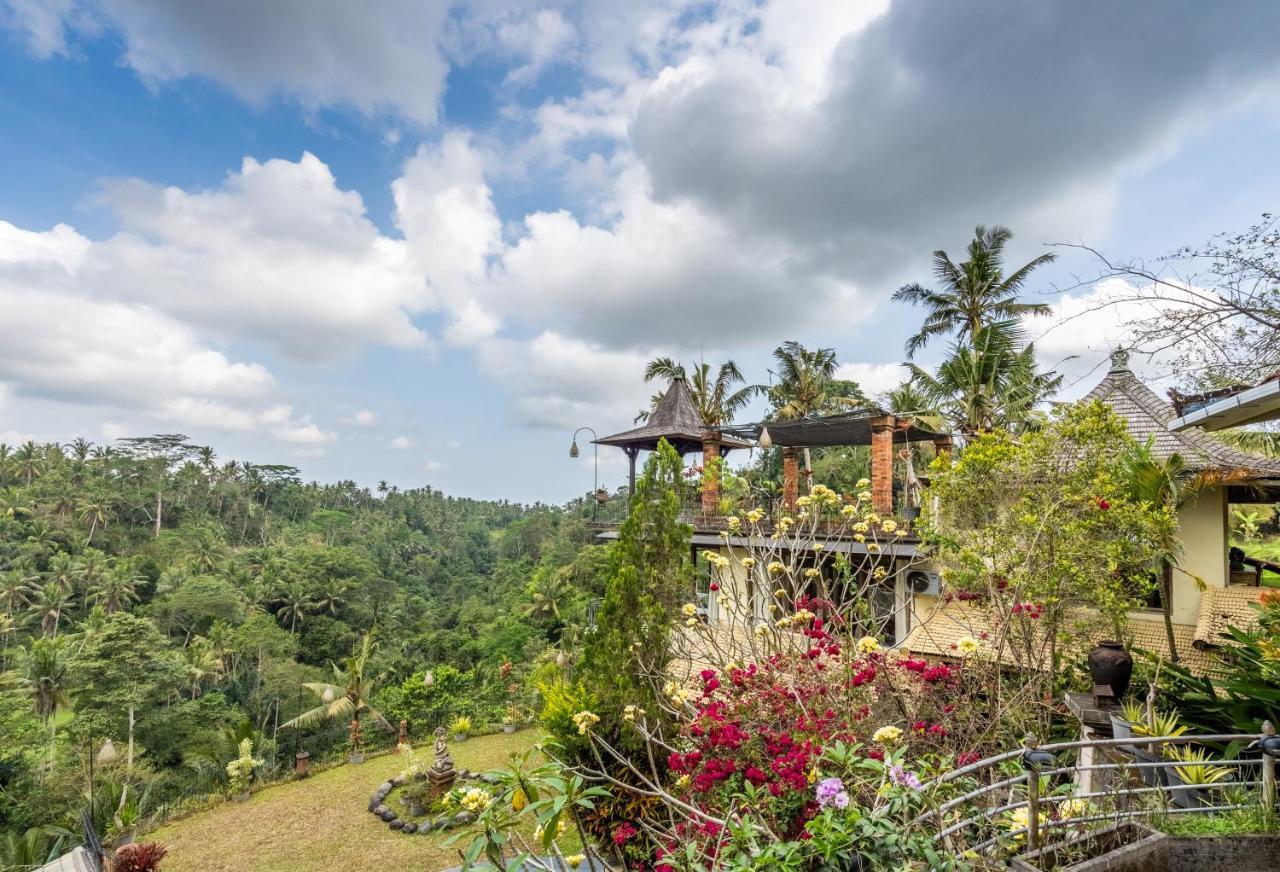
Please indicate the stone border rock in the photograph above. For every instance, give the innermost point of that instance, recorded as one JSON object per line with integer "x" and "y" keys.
{"x": 441, "y": 822}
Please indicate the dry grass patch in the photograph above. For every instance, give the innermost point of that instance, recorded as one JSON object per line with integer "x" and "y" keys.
{"x": 321, "y": 823}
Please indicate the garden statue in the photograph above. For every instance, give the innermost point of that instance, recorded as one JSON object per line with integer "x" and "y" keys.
{"x": 441, "y": 774}
{"x": 402, "y": 741}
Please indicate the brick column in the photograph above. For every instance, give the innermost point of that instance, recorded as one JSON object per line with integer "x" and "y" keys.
{"x": 790, "y": 478}
{"x": 943, "y": 446}
{"x": 882, "y": 464}
{"x": 711, "y": 476}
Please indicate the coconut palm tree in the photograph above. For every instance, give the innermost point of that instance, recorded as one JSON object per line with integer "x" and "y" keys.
{"x": 201, "y": 664}
{"x": 50, "y": 601}
{"x": 117, "y": 588}
{"x": 987, "y": 385}
{"x": 806, "y": 378}
{"x": 16, "y": 590}
{"x": 348, "y": 696}
{"x": 93, "y": 513}
{"x": 1170, "y": 482}
{"x": 974, "y": 293}
{"x": 292, "y": 603}
{"x": 549, "y": 589}
{"x": 29, "y": 461}
{"x": 45, "y": 668}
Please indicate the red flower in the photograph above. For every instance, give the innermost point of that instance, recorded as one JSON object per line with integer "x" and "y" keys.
{"x": 623, "y": 833}
{"x": 1103, "y": 504}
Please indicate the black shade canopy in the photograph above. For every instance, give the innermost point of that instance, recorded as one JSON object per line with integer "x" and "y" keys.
{"x": 847, "y": 428}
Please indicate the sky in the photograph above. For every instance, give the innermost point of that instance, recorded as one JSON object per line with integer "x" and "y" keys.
{"x": 424, "y": 241}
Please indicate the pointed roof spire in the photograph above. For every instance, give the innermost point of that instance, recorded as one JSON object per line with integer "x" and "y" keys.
{"x": 674, "y": 418}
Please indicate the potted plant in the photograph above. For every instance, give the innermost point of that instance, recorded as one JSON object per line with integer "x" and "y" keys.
{"x": 1160, "y": 724}
{"x": 240, "y": 771}
{"x": 1127, "y": 845}
{"x": 144, "y": 857}
{"x": 1196, "y": 768}
{"x": 1122, "y": 721}
{"x": 460, "y": 727}
{"x": 511, "y": 719}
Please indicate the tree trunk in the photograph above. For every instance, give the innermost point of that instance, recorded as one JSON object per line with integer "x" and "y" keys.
{"x": 159, "y": 510}
{"x": 1166, "y": 606}
{"x": 808, "y": 471}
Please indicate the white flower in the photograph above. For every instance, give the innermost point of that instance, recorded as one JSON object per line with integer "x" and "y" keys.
{"x": 967, "y": 644}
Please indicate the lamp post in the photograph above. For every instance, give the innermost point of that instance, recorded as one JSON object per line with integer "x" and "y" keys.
{"x": 595, "y": 450}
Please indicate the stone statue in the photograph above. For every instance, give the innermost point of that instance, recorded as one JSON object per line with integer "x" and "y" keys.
{"x": 441, "y": 774}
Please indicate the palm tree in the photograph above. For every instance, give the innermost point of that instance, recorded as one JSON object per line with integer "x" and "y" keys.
{"x": 332, "y": 595}
{"x": 1170, "y": 482}
{"x": 65, "y": 572}
{"x": 292, "y": 602}
{"x": 805, "y": 381}
{"x": 28, "y": 461}
{"x": 93, "y": 513}
{"x": 348, "y": 696}
{"x": 49, "y": 603}
{"x": 548, "y": 593}
{"x": 201, "y": 663}
{"x": 973, "y": 294}
{"x": 45, "y": 680}
{"x": 16, "y": 590}
{"x": 987, "y": 385}
{"x": 117, "y": 588}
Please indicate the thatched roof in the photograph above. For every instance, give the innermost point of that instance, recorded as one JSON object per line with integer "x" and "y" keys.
{"x": 675, "y": 419}
{"x": 1148, "y": 417}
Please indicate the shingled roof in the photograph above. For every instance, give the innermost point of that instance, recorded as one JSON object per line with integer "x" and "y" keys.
{"x": 1148, "y": 417}
{"x": 675, "y": 419}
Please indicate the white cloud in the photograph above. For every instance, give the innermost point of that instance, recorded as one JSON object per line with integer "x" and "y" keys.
{"x": 362, "y": 418}
{"x": 400, "y": 443}
{"x": 113, "y": 430}
{"x": 278, "y": 254}
{"x": 874, "y": 378}
{"x": 543, "y": 37}
{"x": 434, "y": 465}
{"x": 318, "y": 52}
{"x": 63, "y": 343}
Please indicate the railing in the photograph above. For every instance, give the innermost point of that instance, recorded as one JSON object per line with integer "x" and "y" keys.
{"x": 966, "y": 822}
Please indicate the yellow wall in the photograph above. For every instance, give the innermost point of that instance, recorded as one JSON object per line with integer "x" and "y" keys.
{"x": 1203, "y": 529}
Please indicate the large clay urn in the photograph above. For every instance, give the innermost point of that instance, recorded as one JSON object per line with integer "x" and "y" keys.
{"x": 1111, "y": 664}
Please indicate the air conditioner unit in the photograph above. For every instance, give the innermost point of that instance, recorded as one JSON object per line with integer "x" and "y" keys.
{"x": 927, "y": 583}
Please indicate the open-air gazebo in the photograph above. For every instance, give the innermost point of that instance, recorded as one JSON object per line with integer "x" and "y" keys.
{"x": 676, "y": 419}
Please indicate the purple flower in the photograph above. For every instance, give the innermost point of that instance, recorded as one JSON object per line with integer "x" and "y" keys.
{"x": 831, "y": 793}
{"x": 903, "y": 778}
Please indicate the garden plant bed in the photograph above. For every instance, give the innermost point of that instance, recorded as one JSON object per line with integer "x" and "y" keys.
{"x": 1133, "y": 847}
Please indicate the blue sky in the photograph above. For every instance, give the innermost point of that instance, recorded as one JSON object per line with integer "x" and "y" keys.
{"x": 423, "y": 244}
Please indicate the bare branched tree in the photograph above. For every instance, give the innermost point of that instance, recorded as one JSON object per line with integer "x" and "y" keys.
{"x": 1215, "y": 307}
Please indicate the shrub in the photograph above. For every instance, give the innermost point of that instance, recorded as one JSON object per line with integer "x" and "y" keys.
{"x": 140, "y": 857}
{"x": 461, "y": 725}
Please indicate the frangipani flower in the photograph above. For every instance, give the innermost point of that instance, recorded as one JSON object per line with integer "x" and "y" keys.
{"x": 887, "y": 735}
{"x": 868, "y": 645}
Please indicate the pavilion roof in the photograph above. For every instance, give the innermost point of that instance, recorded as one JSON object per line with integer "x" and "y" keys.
{"x": 676, "y": 419}
{"x": 1149, "y": 417}
{"x": 846, "y": 428}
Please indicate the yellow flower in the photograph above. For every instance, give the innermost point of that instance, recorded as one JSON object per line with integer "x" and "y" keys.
{"x": 575, "y": 860}
{"x": 863, "y": 483}
{"x": 779, "y": 593}
{"x": 631, "y": 712}
{"x": 848, "y": 512}
{"x": 689, "y": 609}
{"x": 733, "y": 521}
{"x": 887, "y": 735}
{"x": 476, "y": 800}
{"x": 804, "y": 501}
{"x": 777, "y": 568}
{"x": 585, "y": 720}
{"x": 691, "y": 622}
{"x": 873, "y": 548}
{"x": 754, "y": 516}
{"x": 880, "y": 572}
{"x": 683, "y": 781}
{"x": 812, "y": 572}
{"x": 748, "y": 562}
{"x": 868, "y": 645}
{"x": 818, "y": 546}
{"x": 966, "y": 644}
{"x": 519, "y": 800}
{"x": 1020, "y": 819}
{"x": 889, "y": 526}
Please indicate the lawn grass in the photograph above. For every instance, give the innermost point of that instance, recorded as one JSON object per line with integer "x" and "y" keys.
{"x": 321, "y": 823}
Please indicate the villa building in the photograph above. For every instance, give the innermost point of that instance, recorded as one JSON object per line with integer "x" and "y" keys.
{"x": 1212, "y": 586}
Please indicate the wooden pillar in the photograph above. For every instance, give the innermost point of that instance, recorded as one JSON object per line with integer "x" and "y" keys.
{"x": 631, "y": 451}
{"x": 882, "y": 464}
{"x": 790, "y": 479}
{"x": 711, "y": 471}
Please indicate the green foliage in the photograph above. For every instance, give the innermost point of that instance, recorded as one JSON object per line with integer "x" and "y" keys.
{"x": 1046, "y": 519}
{"x": 651, "y": 574}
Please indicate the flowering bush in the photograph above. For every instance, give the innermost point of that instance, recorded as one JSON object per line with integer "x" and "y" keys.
{"x": 240, "y": 770}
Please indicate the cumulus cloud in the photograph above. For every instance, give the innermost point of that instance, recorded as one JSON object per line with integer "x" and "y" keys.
{"x": 918, "y": 126}
{"x": 874, "y": 378}
{"x": 400, "y": 443}
{"x": 362, "y": 418}
{"x": 63, "y": 343}
{"x": 318, "y": 52}
{"x": 278, "y": 253}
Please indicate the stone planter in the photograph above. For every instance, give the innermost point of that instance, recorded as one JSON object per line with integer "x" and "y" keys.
{"x": 1126, "y": 847}
{"x": 1111, "y": 665}
{"x": 355, "y": 757}
{"x": 459, "y": 738}
{"x": 508, "y": 728}
{"x": 243, "y": 796}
